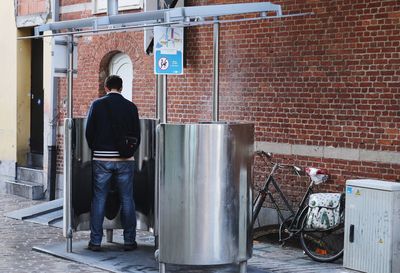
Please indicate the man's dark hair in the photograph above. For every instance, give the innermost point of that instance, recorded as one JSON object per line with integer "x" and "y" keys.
{"x": 113, "y": 82}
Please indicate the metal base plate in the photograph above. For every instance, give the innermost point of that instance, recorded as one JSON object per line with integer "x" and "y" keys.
{"x": 114, "y": 259}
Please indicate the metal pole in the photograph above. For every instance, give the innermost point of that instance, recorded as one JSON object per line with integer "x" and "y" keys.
{"x": 161, "y": 267}
{"x": 161, "y": 88}
{"x": 161, "y": 116}
{"x": 70, "y": 75}
{"x": 243, "y": 267}
{"x": 215, "y": 96}
{"x": 162, "y": 98}
{"x": 109, "y": 235}
{"x": 68, "y": 149}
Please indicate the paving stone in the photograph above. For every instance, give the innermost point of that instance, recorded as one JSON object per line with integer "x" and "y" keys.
{"x": 18, "y": 237}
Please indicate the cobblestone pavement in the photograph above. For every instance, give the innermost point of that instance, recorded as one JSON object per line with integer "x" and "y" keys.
{"x": 277, "y": 259}
{"x": 18, "y": 238}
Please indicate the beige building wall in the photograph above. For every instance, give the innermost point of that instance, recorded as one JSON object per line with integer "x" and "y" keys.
{"x": 15, "y": 92}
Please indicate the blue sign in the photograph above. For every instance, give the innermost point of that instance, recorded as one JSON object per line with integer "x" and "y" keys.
{"x": 168, "y": 50}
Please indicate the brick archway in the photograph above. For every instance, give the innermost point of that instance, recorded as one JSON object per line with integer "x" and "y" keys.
{"x": 103, "y": 70}
{"x": 94, "y": 56}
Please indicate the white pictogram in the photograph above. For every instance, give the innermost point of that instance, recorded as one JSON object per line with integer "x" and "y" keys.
{"x": 163, "y": 63}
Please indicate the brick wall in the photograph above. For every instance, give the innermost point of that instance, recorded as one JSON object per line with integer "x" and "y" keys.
{"x": 30, "y": 7}
{"x": 326, "y": 79}
{"x": 329, "y": 79}
{"x": 94, "y": 53}
{"x": 339, "y": 172}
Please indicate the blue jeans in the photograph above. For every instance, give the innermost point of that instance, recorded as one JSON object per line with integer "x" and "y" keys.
{"x": 103, "y": 171}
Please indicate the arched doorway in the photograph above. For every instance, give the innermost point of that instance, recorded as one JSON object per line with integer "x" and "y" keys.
{"x": 121, "y": 65}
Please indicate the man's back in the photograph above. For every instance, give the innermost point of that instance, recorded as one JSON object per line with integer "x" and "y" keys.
{"x": 106, "y": 113}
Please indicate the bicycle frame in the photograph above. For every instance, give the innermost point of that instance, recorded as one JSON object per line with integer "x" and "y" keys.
{"x": 312, "y": 240}
{"x": 294, "y": 227}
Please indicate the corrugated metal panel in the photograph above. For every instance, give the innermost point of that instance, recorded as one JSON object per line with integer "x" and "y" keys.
{"x": 375, "y": 215}
{"x": 396, "y": 233}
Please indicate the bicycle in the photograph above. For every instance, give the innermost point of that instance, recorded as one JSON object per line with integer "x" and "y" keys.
{"x": 320, "y": 244}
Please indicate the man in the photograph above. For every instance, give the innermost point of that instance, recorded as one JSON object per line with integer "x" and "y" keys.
{"x": 111, "y": 117}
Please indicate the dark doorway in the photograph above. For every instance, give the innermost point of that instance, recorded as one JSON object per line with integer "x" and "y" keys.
{"x": 36, "y": 140}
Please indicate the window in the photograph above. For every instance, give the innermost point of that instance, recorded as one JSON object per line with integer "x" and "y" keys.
{"x": 101, "y": 5}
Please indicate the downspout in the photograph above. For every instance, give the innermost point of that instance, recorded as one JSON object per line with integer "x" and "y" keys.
{"x": 112, "y": 7}
{"x": 68, "y": 126}
{"x": 52, "y": 139}
{"x": 55, "y": 10}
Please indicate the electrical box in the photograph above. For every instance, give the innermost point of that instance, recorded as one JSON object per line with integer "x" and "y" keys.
{"x": 372, "y": 226}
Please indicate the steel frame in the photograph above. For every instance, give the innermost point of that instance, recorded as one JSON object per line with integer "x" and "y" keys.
{"x": 113, "y": 22}
{"x": 183, "y": 16}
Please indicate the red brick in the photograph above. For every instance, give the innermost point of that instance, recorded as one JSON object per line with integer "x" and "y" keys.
{"x": 338, "y": 67}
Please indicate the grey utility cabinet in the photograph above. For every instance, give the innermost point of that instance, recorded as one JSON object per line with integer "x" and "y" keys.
{"x": 372, "y": 226}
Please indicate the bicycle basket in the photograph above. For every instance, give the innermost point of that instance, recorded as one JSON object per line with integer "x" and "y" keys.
{"x": 324, "y": 210}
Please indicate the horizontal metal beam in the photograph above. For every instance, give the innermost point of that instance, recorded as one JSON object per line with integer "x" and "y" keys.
{"x": 103, "y": 21}
{"x": 176, "y": 15}
{"x": 138, "y": 18}
{"x": 129, "y": 27}
{"x": 222, "y": 10}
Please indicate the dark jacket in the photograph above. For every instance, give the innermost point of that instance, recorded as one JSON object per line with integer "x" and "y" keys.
{"x": 100, "y": 133}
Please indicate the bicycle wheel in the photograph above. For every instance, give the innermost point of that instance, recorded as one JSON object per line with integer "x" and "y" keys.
{"x": 323, "y": 245}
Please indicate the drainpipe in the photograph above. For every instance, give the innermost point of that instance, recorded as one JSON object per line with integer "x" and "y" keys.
{"x": 112, "y": 7}
{"x": 68, "y": 126}
{"x": 52, "y": 140}
{"x": 55, "y": 10}
{"x": 51, "y": 143}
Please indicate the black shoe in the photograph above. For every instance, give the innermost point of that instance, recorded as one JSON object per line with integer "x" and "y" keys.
{"x": 130, "y": 247}
{"x": 93, "y": 247}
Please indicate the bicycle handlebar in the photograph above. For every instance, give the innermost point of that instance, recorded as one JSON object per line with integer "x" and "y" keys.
{"x": 317, "y": 175}
{"x": 297, "y": 170}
